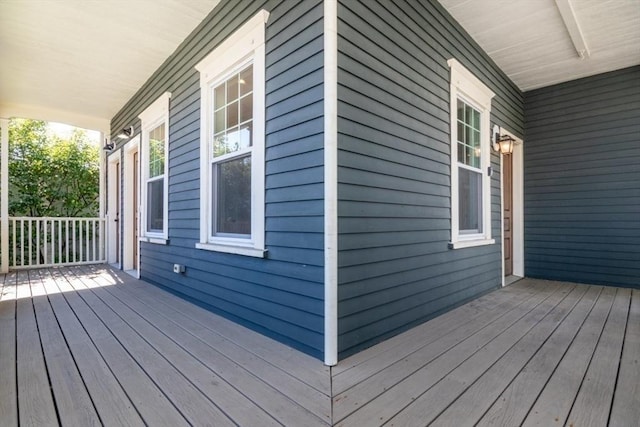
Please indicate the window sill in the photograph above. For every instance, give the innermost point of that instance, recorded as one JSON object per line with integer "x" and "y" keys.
{"x": 155, "y": 240}
{"x": 238, "y": 250}
{"x": 470, "y": 243}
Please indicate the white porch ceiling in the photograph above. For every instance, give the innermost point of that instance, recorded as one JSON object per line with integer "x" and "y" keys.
{"x": 530, "y": 42}
{"x": 79, "y": 61}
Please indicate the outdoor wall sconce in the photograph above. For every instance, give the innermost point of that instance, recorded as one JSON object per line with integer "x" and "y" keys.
{"x": 126, "y": 132}
{"x": 108, "y": 146}
{"x": 501, "y": 143}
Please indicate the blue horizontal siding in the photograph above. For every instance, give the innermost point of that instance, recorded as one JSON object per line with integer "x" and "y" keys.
{"x": 281, "y": 295}
{"x": 582, "y": 180}
{"x": 395, "y": 267}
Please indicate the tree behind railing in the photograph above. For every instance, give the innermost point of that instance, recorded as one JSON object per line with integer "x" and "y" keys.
{"x": 51, "y": 241}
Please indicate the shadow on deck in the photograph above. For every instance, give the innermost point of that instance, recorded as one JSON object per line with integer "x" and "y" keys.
{"x": 91, "y": 345}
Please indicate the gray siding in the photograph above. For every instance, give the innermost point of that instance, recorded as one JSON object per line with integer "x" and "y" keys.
{"x": 281, "y": 296}
{"x": 395, "y": 267}
{"x": 582, "y": 180}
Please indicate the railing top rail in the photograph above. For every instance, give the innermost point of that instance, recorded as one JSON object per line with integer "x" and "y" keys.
{"x": 57, "y": 218}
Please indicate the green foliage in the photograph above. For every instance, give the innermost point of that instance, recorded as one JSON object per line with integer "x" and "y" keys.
{"x": 49, "y": 176}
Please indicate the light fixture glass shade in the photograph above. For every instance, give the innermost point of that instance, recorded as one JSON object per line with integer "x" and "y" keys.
{"x": 506, "y": 145}
{"x": 126, "y": 132}
{"x": 503, "y": 144}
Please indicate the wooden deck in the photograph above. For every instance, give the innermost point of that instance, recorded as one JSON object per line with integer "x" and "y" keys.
{"x": 85, "y": 346}
{"x": 535, "y": 354}
{"x": 91, "y": 346}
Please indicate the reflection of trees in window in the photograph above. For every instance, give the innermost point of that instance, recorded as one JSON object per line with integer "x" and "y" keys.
{"x": 156, "y": 151}
{"x": 233, "y": 113}
{"x": 155, "y": 183}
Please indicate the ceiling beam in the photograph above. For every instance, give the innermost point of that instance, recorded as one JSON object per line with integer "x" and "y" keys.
{"x": 573, "y": 27}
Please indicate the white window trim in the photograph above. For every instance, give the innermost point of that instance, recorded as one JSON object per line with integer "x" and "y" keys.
{"x": 156, "y": 113}
{"x": 245, "y": 45}
{"x": 468, "y": 88}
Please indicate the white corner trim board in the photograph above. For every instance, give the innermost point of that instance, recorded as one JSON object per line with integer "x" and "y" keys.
{"x": 4, "y": 195}
{"x": 330, "y": 182}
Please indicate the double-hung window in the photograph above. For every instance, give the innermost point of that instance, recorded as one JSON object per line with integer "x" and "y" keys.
{"x": 470, "y": 159}
{"x": 154, "y": 165}
{"x": 232, "y": 90}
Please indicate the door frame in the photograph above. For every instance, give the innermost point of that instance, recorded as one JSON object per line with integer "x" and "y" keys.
{"x": 113, "y": 230}
{"x": 518, "y": 206}
{"x": 128, "y": 210}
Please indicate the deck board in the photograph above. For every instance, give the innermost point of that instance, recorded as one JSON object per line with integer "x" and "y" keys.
{"x": 511, "y": 406}
{"x": 111, "y": 401}
{"x": 625, "y": 410}
{"x": 269, "y": 387}
{"x": 593, "y": 402}
{"x": 408, "y": 342}
{"x": 289, "y": 361}
{"x": 555, "y": 401}
{"x": 93, "y": 346}
{"x": 377, "y": 358}
{"x": 71, "y": 396}
{"x": 386, "y": 393}
{"x": 558, "y": 327}
{"x": 430, "y": 390}
{"x": 183, "y": 394}
{"x": 8, "y": 386}
{"x": 150, "y": 400}
{"x": 35, "y": 400}
{"x": 140, "y": 317}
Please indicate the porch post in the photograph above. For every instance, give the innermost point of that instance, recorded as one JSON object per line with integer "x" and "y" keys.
{"x": 102, "y": 194}
{"x": 101, "y": 191}
{"x": 4, "y": 195}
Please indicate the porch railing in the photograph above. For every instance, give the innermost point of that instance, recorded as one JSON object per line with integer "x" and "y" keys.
{"x": 46, "y": 242}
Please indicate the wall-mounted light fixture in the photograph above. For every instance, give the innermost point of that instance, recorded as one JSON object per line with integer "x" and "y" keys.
{"x": 108, "y": 146}
{"x": 126, "y": 132}
{"x": 501, "y": 143}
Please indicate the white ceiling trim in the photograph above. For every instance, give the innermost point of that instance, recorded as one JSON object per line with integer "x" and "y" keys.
{"x": 573, "y": 27}
{"x": 531, "y": 43}
{"x": 79, "y": 61}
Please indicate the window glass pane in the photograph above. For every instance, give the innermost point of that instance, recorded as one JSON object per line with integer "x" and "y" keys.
{"x": 220, "y": 144}
{"x": 468, "y": 114}
{"x": 476, "y": 119}
{"x": 468, "y": 138}
{"x": 232, "y": 88}
{"x": 219, "y": 96}
{"x": 232, "y": 120}
{"x": 219, "y": 120}
{"x": 155, "y": 205}
{"x": 246, "y": 80}
{"x": 461, "y": 152}
{"x": 470, "y": 201}
{"x": 469, "y": 135}
{"x": 246, "y": 109}
{"x": 475, "y": 153}
{"x": 232, "y": 115}
{"x": 156, "y": 151}
{"x": 232, "y": 206}
{"x": 245, "y": 135}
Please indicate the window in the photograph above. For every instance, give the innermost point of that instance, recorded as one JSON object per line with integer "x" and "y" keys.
{"x": 232, "y": 90}
{"x": 154, "y": 164}
{"x": 470, "y": 159}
